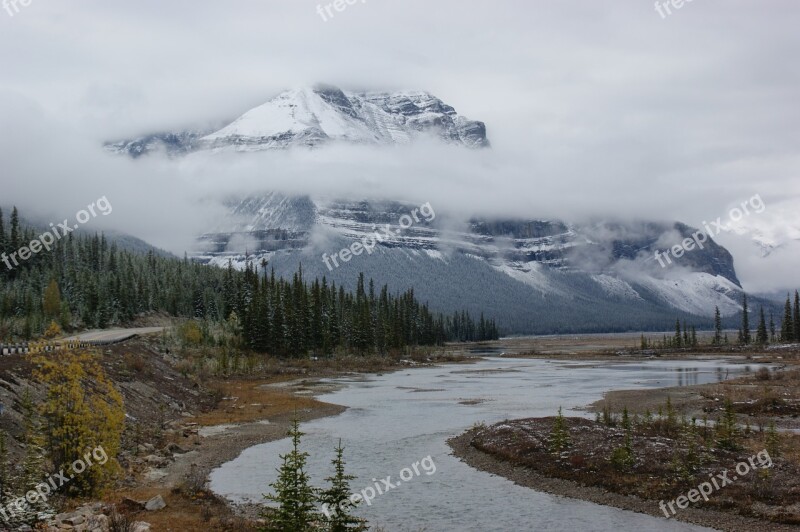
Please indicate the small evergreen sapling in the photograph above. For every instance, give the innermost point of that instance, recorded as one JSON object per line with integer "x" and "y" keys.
{"x": 337, "y": 505}
{"x": 293, "y": 493}
{"x": 559, "y": 436}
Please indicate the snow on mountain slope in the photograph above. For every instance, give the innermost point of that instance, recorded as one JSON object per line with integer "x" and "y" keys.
{"x": 605, "y": 267}
{"x": 301, "y": 112}
{"x": 616, "y": 287}
{"x": 695, "y": 292}
{"x": 530, "y": 273}
{"x": 311, "y": 117}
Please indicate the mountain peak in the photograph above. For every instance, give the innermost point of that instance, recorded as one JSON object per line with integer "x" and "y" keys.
{"x": 322, "y": 114}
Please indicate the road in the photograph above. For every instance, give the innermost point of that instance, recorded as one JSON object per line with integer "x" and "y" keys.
{"x": 113, "y": 335}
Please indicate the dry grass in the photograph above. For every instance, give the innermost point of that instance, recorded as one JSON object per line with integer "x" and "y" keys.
{"x": 185, "y": 513}
{"x": 246, "y": 401}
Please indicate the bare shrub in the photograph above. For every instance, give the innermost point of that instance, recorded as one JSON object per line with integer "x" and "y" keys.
{"x": 120, "y": 521}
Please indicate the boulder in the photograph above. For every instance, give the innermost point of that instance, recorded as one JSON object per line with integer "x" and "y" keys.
{"x": 74, "y": 519}
{"x": 129, "y": 505}
{"x": 174, "y": 448}
{"x": 155, "y": 504}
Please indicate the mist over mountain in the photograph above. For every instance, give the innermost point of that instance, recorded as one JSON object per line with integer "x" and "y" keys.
{"x": 534, "y": 274}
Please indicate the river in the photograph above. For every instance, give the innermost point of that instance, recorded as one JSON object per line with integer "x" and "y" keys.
{"x": 398, "y": 419}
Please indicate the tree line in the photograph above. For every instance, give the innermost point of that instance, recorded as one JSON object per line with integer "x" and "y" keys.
{"x": 766, "y": 332}
{"x": 85, "y": 281}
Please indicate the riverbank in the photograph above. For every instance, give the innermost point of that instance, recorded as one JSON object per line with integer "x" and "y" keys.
{"x": 249, "y": 412}
{"x": 634, "y": 460}
{"x": 529, "y": 478}
{"x": 254, "y": 412}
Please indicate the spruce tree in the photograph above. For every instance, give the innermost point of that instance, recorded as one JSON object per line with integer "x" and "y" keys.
{"x": 796, "y": 316}
{"x": 678, "y": 336}
{"x": 15, "y": 240}
{"x": 787, "y": 326}
{"x": 771, "y": 327}
{"x": 3, "y": 244}
{"x": 746, "y": 338}
{"x": 293, "y": 493}
{"x": 559, "y": 436}
{"x": 336, "y": 503}
{"x": 717, "y": 327}
{"x": 762, "y": 337}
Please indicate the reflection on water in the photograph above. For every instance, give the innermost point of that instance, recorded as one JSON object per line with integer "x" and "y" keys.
{"x": 687, "y": 375}
{"x": 396, "y": 419}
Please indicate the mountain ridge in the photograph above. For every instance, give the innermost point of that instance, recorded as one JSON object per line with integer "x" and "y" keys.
{"x": 313, "y": 116}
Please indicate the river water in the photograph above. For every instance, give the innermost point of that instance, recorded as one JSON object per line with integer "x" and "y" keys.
{"x": 398, "y": 419}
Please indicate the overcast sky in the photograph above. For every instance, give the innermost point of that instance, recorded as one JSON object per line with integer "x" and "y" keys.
{"x": 594, "y": 108}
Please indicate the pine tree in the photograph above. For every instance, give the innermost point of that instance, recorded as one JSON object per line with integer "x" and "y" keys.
{"x": 773, "y": 441}
{"x": 15, "y": 240}
{"x": 772, "y": 336}
{"x": 727, "y": 430}
{"x": 336, "y": 503}
{"x": 762, "y": 337}
{"x": 3, "y": 242}
{"x": 796, "y": 316}
{"x": 293, "y": 493}
{"x": 717, "y": 327}
{"x": 746, "y": 338}
{"x": 559, "y": 436}
{"x": 787, "y": 326}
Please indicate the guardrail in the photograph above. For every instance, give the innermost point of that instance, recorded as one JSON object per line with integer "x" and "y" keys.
{"x": 46, "y": 346}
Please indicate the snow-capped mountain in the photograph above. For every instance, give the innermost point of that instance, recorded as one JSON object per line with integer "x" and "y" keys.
{"x": 322, "y": 114}
{"x": 532, "y": 275}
